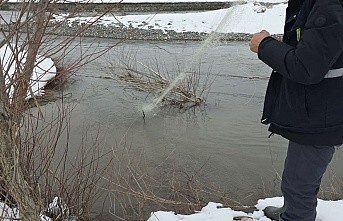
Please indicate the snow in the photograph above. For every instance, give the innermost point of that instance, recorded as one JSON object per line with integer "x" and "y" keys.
{"x": 241, "y": 19}
{"x": 7, "y": 213}
{"x": 153, "y": 1}
{"x": 56, "y": 207}
{"x": 43, "y": 71}
{"x": 246, "y": 18}
{"x": 327, "y": 211}
{"x": 169, "y": 1}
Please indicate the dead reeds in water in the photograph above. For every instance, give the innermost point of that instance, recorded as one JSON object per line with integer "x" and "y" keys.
{"x": 138, "y": 188}
{"x": 191, "y": 87}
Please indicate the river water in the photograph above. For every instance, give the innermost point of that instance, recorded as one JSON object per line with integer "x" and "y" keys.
{"x": 223, "y": 139}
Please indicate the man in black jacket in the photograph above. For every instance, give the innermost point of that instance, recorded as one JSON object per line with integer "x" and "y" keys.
{"x": 304, "y": 99}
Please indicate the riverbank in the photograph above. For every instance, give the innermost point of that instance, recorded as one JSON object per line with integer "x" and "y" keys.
{"x": 136, "y": 7}
{"x": 127, "y": 33}
{"x": 235, "y": 23}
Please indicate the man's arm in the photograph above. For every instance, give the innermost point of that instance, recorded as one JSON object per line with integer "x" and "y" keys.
{"x": 309, "y": 62}
{"x": 320, "y": 46}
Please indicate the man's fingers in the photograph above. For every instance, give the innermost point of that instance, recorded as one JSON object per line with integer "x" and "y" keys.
{"x": 265, "y": 32}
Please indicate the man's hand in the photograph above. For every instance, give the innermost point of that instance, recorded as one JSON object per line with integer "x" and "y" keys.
{"x": 256, "y": 40}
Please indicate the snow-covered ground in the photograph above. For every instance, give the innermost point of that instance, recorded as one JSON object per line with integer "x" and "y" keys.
{"x": 327, "y": 211}
{"x": 241, "y": 18}
{"x": 42, "y": 72}
{"x": 154, "y": 1}
{"x": 247, "y": 18}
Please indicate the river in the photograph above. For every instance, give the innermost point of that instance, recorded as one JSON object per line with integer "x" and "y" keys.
{"x": 222, "y": 139}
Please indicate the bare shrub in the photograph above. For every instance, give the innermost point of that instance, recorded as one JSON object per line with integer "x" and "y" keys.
{"x": 68, "y": 176}
{"x": 156, "y": 77}
{"x": 34, "y": 165}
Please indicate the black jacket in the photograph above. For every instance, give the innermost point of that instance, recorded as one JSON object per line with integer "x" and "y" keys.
{"x": 304, "y": 98}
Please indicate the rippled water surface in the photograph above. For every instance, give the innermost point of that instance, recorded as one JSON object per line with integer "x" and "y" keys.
{"x": 223, "y": 139}
{"x": 225, "y": 135}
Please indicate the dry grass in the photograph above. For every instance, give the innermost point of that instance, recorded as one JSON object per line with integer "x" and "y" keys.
{"x": 138, "y": 189}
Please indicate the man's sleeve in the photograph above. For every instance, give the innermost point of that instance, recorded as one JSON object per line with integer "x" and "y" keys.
{"x": 313, "y": 57}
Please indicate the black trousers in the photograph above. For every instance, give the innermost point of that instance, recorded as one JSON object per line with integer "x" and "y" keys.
{"x": 301, "y": 178}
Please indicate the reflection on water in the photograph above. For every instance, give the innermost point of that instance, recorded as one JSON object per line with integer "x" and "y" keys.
{"x": 225, "y": 135}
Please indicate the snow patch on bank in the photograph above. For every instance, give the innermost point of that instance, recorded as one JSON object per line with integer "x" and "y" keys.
{"x": 155, "y": 1}
{"x": 327, "y": 211}
{"x": 246, "y": 18}
{"x": 43, "y": 71}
